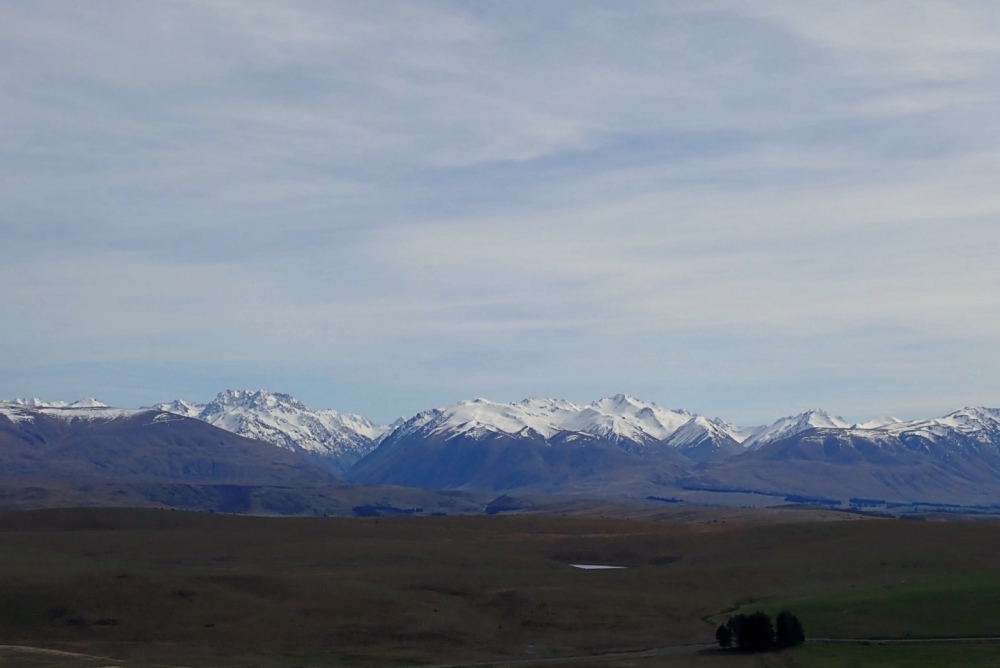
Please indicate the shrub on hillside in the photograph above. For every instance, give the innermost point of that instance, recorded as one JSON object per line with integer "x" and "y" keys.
{"x": 724, "y": 636}
{"x": 788, "y": 630}
{"x": 757, "y": 633}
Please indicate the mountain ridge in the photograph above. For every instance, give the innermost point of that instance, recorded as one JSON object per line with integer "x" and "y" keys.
{"x": 334, "y": 438}
{"x": 102, "y": 443}
{"x": 616, "y": 445}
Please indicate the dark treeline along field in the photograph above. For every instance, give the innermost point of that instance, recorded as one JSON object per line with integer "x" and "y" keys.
{"x": 149, "y": 587}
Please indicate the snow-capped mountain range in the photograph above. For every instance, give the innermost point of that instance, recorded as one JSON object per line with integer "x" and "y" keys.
{"x": 285, "y": 421}
{"x": 619, "y": 419}
{"x": 637, "y": 427}
{"x": 18, "y": 410}
{"x": 337, "y": 439}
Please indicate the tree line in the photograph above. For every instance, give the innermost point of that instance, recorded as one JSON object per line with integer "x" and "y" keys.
{"x": 757, "y": 633}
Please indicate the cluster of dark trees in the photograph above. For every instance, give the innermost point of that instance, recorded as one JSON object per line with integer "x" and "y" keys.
{"x": 756, "y": 632}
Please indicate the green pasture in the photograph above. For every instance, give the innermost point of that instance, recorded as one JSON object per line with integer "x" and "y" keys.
{"x": 956, "y": 606}
{"x": 922, "y": 655}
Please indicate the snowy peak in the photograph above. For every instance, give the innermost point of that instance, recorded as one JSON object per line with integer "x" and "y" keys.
{"x": 25, "y": 410}
{"x": 625, "y": 418}
{"x": 695, "y": 430}
{"x": 181, "y": 407}
{"x": 737, "y": 433}
{"x": 35, "y": 403}
{"x": 259, "y": 400}
{"x": 356, "y": 423}
{"x": 620, "y": 419}
{"x": 88, "y": 402}
{"x": 879, "y": 422}
{"x": 970, "y": 420}
{"x": 619, "y": 404}
{"x": 480, "y": 416}
{"x": 978, "y": 424}
{"x": 820, "y": 419}
{"x": 703, "y": 439}
{"x": 795, "y": 424}
{"x": 540, "y": 406}
{"x": 286, "y": 422}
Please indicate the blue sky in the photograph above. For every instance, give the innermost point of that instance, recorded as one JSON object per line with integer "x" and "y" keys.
{"x": 741, "y": 208}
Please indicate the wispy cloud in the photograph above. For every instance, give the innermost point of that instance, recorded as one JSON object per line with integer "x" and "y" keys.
{"x": 737, "y": 207}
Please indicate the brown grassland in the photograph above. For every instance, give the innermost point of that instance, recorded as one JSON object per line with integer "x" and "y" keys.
{"x": 153, "y": 587}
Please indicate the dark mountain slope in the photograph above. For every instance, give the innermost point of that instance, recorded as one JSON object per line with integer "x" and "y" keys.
{"x": 497, "y": 461}
{"x": 148, "y": 445}
{"x": 844, "y": 463}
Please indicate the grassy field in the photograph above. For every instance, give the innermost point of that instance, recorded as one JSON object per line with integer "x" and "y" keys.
{"x": 809, "y": 656}
{"x": 159, "y": 587}
{"x": 954, "y": 606}
{"x": 961, "y": 655}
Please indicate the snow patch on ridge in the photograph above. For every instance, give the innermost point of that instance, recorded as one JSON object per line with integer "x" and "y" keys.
{"x": 735, "y": 432}
{"x": 25, "y": 410}
{"x": 180, "y": 407}
{"x": 36, "y": 403}
{"x": 879, "y": 422}
{"x": 979, "y": 424}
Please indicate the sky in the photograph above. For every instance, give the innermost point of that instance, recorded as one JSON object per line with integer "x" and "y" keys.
{"x": 746, "y": 209}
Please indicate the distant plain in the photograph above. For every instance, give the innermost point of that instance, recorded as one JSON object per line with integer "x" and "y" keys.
{"x": 154, "y": 587}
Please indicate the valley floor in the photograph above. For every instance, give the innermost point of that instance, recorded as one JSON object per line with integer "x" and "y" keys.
{"x": 139, "y": 588}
